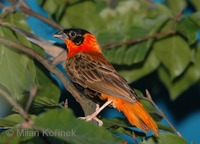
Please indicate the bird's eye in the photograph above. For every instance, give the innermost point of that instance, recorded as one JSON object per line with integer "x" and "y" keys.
{"x": 72, "y": 34}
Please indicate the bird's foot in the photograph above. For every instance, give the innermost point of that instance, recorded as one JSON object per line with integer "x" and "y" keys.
{"x": 92, "y": 117}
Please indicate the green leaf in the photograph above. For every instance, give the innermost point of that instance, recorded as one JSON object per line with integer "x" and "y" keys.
{"x": 12, "y": 120}
{"x": 187, "y": 79}
{"x": 17, "y": 70}
{"x": 196, "y": 4}
{"x": 55, "y": 8}
{"x": 47, "y": 95}
{"x": 174, "y": 53}
{"x": 188, "y": 29}
{"x": 105, "y": 38}
{"x": 17, "y": 19}
{"x": 137, "y": 53}
{"x": 164, "y": 138}
{"x": 135, "y": 72}
{"x": 165, "y": 128}
{"x": 50, "y": 6}
{"x": 127, "y": 131}
{"x": 176, "y": 5}
{"x": 65, "y": 126}
{"x": 47, "y": 86}
{"x": 121, "y": 130}
{"x": 195, "y": 17}
{"x": 121, "y": 122}
{"x": 134, "y": 53}
{"x": 151, "y": 109}
{"x": 41, "y": 104}
{"x": 121, "y": 126}
{"x": 163, "y": 9}
{"x": 89, "y": 17}
{"x": 113, "y": 55}
{"x": 20, "y": 136}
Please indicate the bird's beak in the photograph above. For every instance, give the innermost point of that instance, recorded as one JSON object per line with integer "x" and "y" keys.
{"x": 61, "y": 35}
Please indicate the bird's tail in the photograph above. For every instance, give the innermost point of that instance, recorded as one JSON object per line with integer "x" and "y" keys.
{"x": 138, "y": 116}
{"x": 135, "y": 113}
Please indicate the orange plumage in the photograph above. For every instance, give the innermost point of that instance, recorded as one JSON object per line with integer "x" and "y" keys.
{"x": 94, "y": 76}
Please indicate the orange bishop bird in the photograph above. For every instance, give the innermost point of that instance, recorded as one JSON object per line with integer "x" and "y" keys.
{"x": 97, "y": 79}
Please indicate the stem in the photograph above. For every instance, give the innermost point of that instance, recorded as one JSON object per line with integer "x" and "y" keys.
{"x": 37, "y": 15}
{"x": 162, "y": 113}
{"x": 177, "y": 17}
{"x": 136, "y": 40}
{"x": 40, "y": 17}
{"x": 33, "y": 93}
{"x": 18, "y": 108}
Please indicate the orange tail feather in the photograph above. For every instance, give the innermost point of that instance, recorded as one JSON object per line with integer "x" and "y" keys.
{"x": 135, "y": 113}
{"x": 138, "y": 116}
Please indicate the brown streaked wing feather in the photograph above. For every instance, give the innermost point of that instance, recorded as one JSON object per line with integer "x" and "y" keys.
{"x": 93, "y": 71}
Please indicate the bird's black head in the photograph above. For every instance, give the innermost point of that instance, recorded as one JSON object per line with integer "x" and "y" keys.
{"x": 73, "y": 34}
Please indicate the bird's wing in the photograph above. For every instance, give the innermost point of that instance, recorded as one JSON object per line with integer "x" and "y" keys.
{"x": 93, "y": 71}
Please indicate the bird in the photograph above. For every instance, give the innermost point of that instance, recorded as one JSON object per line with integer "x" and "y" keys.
{"x": 95, "y": 77}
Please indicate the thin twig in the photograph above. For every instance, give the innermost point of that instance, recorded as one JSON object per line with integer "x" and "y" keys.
{"x": 136, "y": 40}
{"x": 37, "y": 15}
{"x": 177, "y": 17}
{"x": 46, "y": 20}
{"x": 6, "y": 10}
{"x": 149, "y": 2}
{"x": 161, "y": 112}
{"x": 22, "y": 3}
{"x": 27, "y": 121}
{"x": 134, "y": 137}
{"x": 15, "y": 105}
{"x": 87, "y": 105}
{"x": 32, "y": 94}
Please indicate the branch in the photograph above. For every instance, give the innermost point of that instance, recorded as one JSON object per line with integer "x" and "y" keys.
{"x": 6, "y": 10}
{"x": 177, "y": 17}
{"x": 28, "y": 122}
{"x": 149, "y": 3}
{"x": 40, "y": 17}
{"x": 136, "y": 40}
{"x": 87, "y": 105}
{"x": 161, "y": 112}
{"x": 37, "y": 15}
{"x": 15, "y": 105}
{"x": 32, "y": 94}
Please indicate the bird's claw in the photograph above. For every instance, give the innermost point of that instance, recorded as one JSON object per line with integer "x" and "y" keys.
{"x": 91, "y": 117}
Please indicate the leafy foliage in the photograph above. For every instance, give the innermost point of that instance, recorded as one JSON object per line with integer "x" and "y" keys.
{"x": 17, "y": 70}
{"x": 125, "y": 20}
{"x": 139, "y": 38}
{"x": 74, "y": 130}
{"x": 164, "y": 139}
